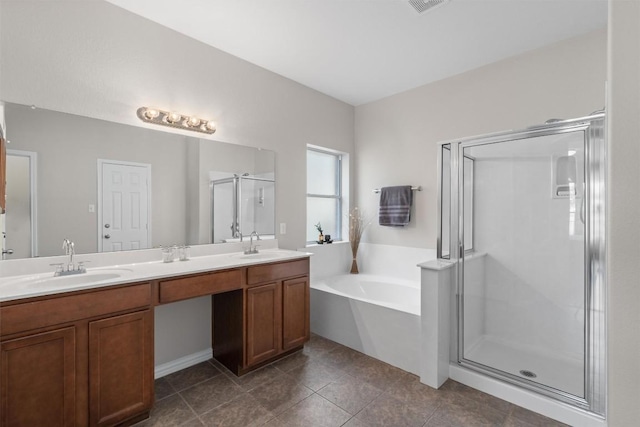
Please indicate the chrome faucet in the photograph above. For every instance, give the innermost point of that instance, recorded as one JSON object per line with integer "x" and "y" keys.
{"x": 252, "y": 249}
{"x": 70, "y": 251}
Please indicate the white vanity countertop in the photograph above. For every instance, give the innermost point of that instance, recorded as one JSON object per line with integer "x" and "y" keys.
{"x": 14, "y": 287}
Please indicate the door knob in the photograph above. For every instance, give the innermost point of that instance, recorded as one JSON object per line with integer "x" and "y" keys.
{"x": 7, "y": 251}
{"x": 107, "y": 226}
{"x": 107, "y": 236}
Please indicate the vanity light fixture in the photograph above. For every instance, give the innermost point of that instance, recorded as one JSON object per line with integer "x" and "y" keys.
{"x": 175, "y": 120}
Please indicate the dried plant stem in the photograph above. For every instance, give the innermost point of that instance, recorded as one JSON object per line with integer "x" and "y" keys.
{"x": 357, "y": 225}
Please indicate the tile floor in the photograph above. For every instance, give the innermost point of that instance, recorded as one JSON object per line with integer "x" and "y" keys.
{"x": 326, "y": 384}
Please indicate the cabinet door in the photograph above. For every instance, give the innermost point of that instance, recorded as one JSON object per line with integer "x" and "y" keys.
{"x": 38, "y": 380}
{"x": 120, "y": 367}
{"x": 264, "y": 322}
{"x": 295, "y": 312}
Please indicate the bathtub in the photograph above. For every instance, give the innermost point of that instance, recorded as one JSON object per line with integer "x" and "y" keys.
{"x": 374, "y": 314}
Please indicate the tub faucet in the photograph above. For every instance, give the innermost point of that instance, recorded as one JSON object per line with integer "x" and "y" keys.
{"x": 252, "y": 249}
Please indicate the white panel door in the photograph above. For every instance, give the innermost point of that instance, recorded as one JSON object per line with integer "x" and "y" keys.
{"x": 125, "y": 207}
{"x": 20, "y": 217}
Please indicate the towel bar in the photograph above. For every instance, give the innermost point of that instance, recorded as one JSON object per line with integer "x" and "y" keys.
{"x": 418, "y": 188}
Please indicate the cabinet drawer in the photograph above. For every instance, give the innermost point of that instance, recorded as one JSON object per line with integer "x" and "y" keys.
{"x": 204, "y": 284}
{"x": 43, "y": 313}
{"x": 282, "y": 270}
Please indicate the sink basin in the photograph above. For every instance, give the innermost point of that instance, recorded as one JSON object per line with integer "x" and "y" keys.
{"x": 258, "y": 256}
{"x": 79, "y": 279}
{"x": 90, "y": 277}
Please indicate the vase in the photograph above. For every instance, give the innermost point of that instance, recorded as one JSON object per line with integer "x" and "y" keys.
{"x": 354, "y": 266}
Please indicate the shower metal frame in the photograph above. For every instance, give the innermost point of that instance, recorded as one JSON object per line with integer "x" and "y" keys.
{"x": 236, "y": 226}
{"x": 440, "y": 243}
{"x": 593, "y": 127}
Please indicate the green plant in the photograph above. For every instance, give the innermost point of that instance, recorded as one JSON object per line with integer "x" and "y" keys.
{"x": 319, "y": 228}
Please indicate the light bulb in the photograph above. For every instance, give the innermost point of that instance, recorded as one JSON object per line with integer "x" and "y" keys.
{"x": 193, "y": 121}
{"x": 173, "y": 117}
{"x": 151, "y": 113}
{"x": 211, "y": 125}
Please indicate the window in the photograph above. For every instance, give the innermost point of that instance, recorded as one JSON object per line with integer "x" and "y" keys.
{"x": 324, "y": 193}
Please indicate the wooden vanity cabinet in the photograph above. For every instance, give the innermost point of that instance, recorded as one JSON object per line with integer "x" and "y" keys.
{"x": 120, "y": 367}
{"x": 277, "y": 309}
{"x": 85, "y": 358}
{"x": 38, "y": 379}
{"x": 264, "y": 322}
{"x": 192, "y": 286}
{"x": 295, "y": 312}
{"x": 77, "y": 359}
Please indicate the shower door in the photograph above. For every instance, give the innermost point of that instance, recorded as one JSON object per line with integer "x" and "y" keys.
{"x": 257, "y": 198}
{"x": 530, "y": 295}
{"x": 241, "y": 205}
{"x": 224, "y": 211}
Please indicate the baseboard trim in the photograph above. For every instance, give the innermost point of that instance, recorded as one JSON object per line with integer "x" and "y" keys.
{"x": 182, "y": 363}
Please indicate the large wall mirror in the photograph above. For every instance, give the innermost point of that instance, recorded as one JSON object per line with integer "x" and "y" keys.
{"x": 109, "y": 186}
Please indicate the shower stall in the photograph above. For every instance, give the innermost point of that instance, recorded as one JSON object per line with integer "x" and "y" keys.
{"x": 522, "y": 216}
{"x": 240, "y": 205}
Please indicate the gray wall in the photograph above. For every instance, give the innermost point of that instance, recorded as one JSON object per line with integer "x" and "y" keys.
{"x": 88, "y": 57}
{"x": 397, "y": 137}
{"x": 623, "y": 231}
{"x": 94, "y": 59}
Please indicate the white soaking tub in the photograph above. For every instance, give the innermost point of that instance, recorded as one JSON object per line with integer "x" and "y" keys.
{"x": 377, "y": 315}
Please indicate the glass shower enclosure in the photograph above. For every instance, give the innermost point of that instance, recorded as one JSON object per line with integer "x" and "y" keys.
{"x": 240, "y": 205}
{"x": 522, "y": 214}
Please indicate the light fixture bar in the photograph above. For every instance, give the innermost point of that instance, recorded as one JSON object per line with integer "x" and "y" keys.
{"x": 175, "y": 120}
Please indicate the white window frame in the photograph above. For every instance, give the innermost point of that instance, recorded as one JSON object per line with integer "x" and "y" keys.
{"x": 340, "y": 190}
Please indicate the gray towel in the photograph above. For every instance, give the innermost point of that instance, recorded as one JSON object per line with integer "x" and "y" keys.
{"x": 395, "y": 205}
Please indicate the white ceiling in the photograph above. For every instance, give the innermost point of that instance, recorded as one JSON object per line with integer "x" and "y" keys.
{"x": 363, "y": 50}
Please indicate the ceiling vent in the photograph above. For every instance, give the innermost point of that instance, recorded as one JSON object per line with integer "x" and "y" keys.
{"x": 422, "y": 6}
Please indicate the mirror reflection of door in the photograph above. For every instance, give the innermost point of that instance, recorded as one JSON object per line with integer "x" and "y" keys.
{"x": 3, "y": 173}
{"x": 3, "y": 181}
{"x": 20, "y": 216}
{"x": 124, "y": 212}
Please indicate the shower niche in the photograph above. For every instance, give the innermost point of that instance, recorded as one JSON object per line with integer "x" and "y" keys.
{"x": 522, "y": 216}
{"x": 565, "y": 169}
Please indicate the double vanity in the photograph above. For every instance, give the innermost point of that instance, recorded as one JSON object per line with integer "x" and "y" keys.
{"x": 78, "y": 350}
